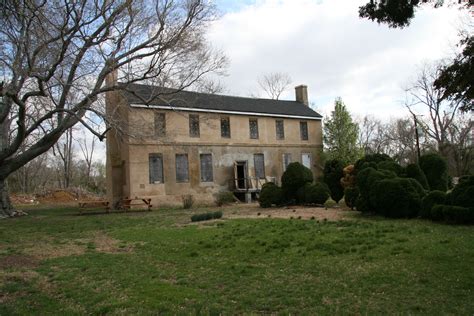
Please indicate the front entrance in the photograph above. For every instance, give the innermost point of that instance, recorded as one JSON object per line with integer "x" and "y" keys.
{"x": 240, "y": 175}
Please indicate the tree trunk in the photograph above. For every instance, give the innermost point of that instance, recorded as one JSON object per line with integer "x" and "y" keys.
{"x": 6, "y": 207}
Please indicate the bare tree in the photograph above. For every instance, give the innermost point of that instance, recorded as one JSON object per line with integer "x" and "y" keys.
{"x": 87, "y": 150}
{"x": 64, "y": 150}
{"x": 274, "y": 84}
{"x": 56, "y": 55}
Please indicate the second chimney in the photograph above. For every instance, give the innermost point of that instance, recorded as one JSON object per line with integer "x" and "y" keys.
{"x": 302, "y": 94}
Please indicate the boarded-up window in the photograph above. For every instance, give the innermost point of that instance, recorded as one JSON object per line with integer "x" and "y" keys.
{"x": 259, "y": 162}
{"x": 182, "y": 170}
{"x": 304, "y": 130}
{"x": 194, "y": 125}
{"x": 280, "y": 129}
{"x": 286, "y": 160}
{"x": 206, "y": 168}
{"x": 225, "y": 127}
{"x": 253, "y": 127}
{"x": 160, "y": 124}
{"x": 156, "y": 168}
{"x": 306, "y": 160}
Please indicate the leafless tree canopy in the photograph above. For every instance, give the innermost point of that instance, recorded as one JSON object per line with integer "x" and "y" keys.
{"x": 55, "y": 56}
{"x": 274, "y": 84}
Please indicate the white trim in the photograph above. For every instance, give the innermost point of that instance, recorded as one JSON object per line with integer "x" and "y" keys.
{"x": 165, "y": 107}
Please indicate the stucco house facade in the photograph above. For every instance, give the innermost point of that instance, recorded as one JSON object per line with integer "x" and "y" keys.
{"x": 172, "y": 143}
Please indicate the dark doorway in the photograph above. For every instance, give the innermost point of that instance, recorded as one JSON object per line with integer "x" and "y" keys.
{"x": 241, "y": 174}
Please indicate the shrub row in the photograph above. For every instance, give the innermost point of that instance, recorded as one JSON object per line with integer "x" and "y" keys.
{"x": 206, "y": 216}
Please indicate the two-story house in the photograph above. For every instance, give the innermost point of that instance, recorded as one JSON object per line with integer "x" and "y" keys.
{"x": 174, "y": 144}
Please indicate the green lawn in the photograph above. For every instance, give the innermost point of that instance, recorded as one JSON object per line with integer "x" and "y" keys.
{"x": 55, "y": 262}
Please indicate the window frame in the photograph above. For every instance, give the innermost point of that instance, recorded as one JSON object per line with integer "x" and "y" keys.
{"x": 150, "y": 175}
{"x": 225, "y": 119}
{"x": 177, "y": 168}
{"x": 304, "y": 136}
{"x": 211, "y": 170}
{"x": 281, "y": 135}
{"x": 252, "y": 135}
{"x": 194, "y": 131}
{"x": 290, "y": 160}
{"x": 255, "y": 165}
{"x": 160, "y": 131}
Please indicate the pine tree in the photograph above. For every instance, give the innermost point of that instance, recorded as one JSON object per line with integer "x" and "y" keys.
{"x": 340, "y": 135}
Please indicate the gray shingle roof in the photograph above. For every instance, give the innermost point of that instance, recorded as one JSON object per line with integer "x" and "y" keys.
{"x": 158, "y": 96}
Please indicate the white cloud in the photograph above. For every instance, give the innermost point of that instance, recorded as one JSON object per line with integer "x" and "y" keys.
{"x": 325, "y": 45}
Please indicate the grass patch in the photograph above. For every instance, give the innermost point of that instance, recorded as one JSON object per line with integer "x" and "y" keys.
{"x": 149, "y": 263}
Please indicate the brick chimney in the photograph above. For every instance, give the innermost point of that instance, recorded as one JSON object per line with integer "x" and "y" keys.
{"x": 301, "y": 92}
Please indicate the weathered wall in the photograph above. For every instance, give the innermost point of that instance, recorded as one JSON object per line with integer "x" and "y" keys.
{"x": 225, "y": 151}
{"x": 128, "y": 157}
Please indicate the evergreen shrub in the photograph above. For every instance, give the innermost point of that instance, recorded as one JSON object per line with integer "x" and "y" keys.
{"x": 333, "y": 172}
{"x": 271, "y": 194}
{"x": 414, "y": 171}
{"x": 436, "y": 171}
{"x": 350, "y": 196}
{"x": 431, "y": 199}
{"x": 295, "y": 176}
{"x": 316, "y": 193}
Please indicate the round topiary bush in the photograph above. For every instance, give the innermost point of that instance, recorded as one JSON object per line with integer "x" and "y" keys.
{"x": 365, "y": 180}
{"x": 414, "y": 171}
{"x": 436, "y": 171}
{"x": 431, "y": 199}
{"x": 350, "y": 196}
{"x": 370, "y": 161}
{"x": 271, "y": 194}
{"x": 390, "y": 165}
{"x": 295, "y": 176}
{"x": 333, "y": 172}
{"x": 316, "y": 193}
{"x": 396, "y": 198}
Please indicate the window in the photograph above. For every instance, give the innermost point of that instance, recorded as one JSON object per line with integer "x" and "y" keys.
{"x": 182, "y": 171}
{"x": 280, "y": 129}
{"x": 206, "y": 168}
{"x": 306, "y": 160}
{"x": 304, "y": 130}
{"x": 259, "y": 163}
{"x": 194, "y": 125}
{"x": 225, "y": 127}
{"x": 156, "y": 168}
{"x": 286, "y": 161}
{"x": 253, "y": 127}
{"x": 160, "y": 124}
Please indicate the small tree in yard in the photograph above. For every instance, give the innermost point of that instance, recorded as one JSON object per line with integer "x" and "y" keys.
{"x": 340, "y": 135}
{"x": 55, "y": 57}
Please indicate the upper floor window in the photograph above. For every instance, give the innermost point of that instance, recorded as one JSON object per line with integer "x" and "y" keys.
{"x": 280, "y": 129}
{"x": 225, "y": 127}
{"x": 194, "y": 125}
{"x": 304, "y": 130}
{"x": 206, "y": 168}
{"x": 253, "y": 127}
{"x": 160, "y": 124}
{"x": 156, "y": 168}
{"x": 182, "y": 168}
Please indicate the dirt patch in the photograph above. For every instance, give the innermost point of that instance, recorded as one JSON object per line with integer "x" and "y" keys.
{"x": 301, "y": 212}
{"x": 107, "y": 244}
{"x": 18, "y": 261}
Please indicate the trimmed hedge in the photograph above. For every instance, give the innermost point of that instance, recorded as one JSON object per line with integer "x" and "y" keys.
{"x": 316, "y": 193}
{"x": 206, "y": 216}
{"x": 463, "y": 193}
{"x": 436, "y": 171}
{"x": 431, "y": 199}
{"x": 414, "y": 171}
{"x": 271, "y": 194}
{"x": 350, "y": 196}
{"x": 370, "y": 161}
{"x": 333, "y": 172}
{"x": 396, "y": 198}
{"x": 295, "y": 176}
{"x": 453, "y": 214}
{"x": 366, "y": 179}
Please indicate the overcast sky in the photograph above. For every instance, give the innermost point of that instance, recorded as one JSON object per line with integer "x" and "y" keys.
{"x": 325, "y": 45}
